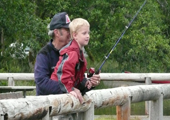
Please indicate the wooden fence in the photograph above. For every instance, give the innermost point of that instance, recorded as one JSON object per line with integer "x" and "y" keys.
{"x": 12, "y": 77}
{"x": 44, "y": 107}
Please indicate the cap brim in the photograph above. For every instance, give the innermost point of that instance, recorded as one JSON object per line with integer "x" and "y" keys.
{"x": 65, "y": 26}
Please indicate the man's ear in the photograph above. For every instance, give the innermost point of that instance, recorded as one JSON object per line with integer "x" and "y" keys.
{"x": 56, "y": 32}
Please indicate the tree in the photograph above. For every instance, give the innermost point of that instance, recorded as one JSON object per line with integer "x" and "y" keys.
{"x": 18, "y": 23}
{"x": 143, "y": 48}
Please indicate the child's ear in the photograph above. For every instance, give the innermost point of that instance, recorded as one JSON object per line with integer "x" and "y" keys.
{"x": 74, "y": 35}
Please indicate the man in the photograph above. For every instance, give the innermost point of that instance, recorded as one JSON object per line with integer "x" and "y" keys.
{"x": 48, "y": 56}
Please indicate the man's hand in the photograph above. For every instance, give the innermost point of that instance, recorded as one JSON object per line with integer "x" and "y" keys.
{"x": 76, "y": 92}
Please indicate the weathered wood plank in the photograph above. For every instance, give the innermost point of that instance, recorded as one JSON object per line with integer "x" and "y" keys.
{"x": 17, "y": 88}
{"x": 11, "y": 81}
{"x": 24, "y": 109}
{"x": 17, "y": 76}
{"x": 104, "y": 76}
{"x": 156, "y": 109}
{"x": 11, "y": 95}
{"x": 134, "y": 76}
{"x": 123, "y": 111}
{"x": 38, "y": 106}
{"x": 62, "y": 104}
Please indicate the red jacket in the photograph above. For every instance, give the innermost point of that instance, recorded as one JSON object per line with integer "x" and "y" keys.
{"x": 70, "y": 68}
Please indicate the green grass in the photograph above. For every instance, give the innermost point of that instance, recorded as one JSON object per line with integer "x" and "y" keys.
{"x": 26, "y": 83}
{"x": 111, "y": 117}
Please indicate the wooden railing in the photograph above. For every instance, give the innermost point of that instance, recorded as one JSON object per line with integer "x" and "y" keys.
{"x": 12, "y": 77}
{"x": 44, "y": 107}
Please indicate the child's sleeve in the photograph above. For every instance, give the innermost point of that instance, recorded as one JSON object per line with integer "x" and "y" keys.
{"x": 66, "y": 71}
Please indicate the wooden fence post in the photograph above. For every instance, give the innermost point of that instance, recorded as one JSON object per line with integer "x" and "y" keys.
{"x": 87, "y": 115}
{"x": 147, "y": 82}
{"x": 11, "y": 81}
{"x": 156, "y": 109}
{"x": 123, "y": 112}
{"x": 1, "y": 116}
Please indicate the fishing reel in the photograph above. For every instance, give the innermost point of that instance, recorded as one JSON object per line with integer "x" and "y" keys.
{"x": 91, "y": 72}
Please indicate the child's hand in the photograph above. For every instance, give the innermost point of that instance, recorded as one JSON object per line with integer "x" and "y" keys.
{"x": 88, "y": 84}
{"x": 95, "y": 80}
{"x": 73, "y": 93}
{"x": 76, "y": 92}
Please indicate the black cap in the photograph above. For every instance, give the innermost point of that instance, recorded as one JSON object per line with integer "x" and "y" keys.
{"x": 60, "y": 20}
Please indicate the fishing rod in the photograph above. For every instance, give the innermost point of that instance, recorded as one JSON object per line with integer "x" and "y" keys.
{"x": 92, "y": 70}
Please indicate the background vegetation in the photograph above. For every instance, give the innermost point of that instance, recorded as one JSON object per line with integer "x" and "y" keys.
{"x": 143, "y": 48}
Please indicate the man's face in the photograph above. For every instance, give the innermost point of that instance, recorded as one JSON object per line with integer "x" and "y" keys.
{"x": 64, "y": 35}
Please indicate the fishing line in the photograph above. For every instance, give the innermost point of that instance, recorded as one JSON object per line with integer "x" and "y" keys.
{"x": 91, "y": 71}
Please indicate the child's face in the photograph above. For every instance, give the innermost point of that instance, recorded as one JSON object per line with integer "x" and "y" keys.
{"x": 82, "y": 36}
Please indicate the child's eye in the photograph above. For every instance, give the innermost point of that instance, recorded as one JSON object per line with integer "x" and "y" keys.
{"x": 84, "y": 33}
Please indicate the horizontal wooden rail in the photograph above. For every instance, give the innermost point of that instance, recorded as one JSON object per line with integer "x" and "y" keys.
{"x": 39, "y": 107}
{"x": 17, "y": 76}
{"x": 104, "y": 76}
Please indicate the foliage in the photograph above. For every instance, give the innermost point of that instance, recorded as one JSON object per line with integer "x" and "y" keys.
{"x": 143, "y": 48}
{"x": 18, "y": 23}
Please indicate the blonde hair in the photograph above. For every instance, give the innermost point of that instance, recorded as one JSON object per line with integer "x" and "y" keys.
{"x": 76, "y": 24}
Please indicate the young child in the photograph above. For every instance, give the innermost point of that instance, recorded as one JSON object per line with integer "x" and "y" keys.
{"x": 72, "y": 64}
